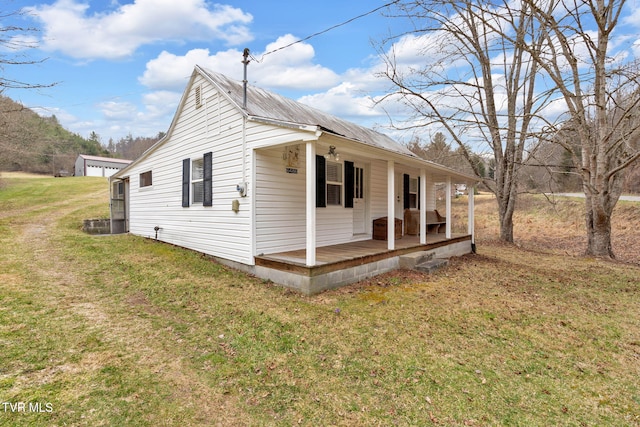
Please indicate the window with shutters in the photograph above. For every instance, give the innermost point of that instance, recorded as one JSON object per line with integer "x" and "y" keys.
{"x": 334, "y": 184}
{"x": 197, "y": 180}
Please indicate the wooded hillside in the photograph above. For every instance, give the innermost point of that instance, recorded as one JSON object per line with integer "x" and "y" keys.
{"x": 31, "y": 143}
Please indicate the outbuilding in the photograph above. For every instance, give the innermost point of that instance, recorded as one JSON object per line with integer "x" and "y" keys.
{"x": 87, "y": 165}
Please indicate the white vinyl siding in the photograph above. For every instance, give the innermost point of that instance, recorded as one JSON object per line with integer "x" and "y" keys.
{"x": 280, "y": 206}
{"x": 378, "y": 189}
{"x": 280, "y": 203}
{"x": 215, "y": 230}
{"x": 431, "y": 195}
{"x": 213, "y": 115}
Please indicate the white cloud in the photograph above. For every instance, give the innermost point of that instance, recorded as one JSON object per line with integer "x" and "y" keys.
{"x": 170, "y": 71}
{"x": 154, "y": 115}
{"x": 633, "y": 18}
{"x": 117, "y": 111}
{"x": 292, "y": 68}
{"x": 344, "y": 100}
{"x": 63, "y": 116}
{"x": 117, "y": 34}
{"x": 161, "y": 104}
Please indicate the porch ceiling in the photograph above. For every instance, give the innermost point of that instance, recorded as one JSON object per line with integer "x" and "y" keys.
{"x": 437, "y": 172}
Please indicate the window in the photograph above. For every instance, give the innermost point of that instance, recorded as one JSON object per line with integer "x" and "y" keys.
{"x": 118, "y": 190}
{"x": 145, "y": 179}
{"x": 334, "y": 184}
{"x": 197, "y": 180}
{"x": 413, "y": 193}
{"x": 358, "y": 189}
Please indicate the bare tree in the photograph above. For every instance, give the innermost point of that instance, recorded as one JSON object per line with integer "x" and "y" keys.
{"x": 601, "y": 94}
{"x": 473, "y": 83}
{"x": 16, "y": 41}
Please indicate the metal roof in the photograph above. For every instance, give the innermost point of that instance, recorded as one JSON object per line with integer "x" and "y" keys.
{"x": 269, "y": 107}
{"x": 263, "y": 104}
{"x": 105, "y": 159}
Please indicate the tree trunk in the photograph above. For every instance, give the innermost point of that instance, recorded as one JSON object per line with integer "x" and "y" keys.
{"x": 506, "y": 207}
{"x": 506, "y": 228}
{"x": 598, "y": 218}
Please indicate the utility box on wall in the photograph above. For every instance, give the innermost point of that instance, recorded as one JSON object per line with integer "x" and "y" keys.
{"x": 380, "y": 228}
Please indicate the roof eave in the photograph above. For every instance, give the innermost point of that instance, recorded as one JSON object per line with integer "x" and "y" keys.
{"x": 292, "y": 125}
{"x": 413, "y": 161}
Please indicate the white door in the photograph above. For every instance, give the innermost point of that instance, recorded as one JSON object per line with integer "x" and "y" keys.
{"x": 359, "y": 201}
{"x": 94, "y": 171}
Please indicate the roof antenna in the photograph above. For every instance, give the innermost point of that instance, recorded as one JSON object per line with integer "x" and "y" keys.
{"x": 245, "y": 61}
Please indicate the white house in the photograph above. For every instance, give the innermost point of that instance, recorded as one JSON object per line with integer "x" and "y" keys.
{"x": 98, "y": 166}
{"x": 283, "y": 191}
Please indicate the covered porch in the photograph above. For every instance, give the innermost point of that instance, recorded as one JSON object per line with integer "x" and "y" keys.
{"x": 398, "y": 201}
{"x": 324, "y": 222}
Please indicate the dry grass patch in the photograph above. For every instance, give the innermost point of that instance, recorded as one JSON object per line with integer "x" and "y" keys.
{"x": 552, "y": 224}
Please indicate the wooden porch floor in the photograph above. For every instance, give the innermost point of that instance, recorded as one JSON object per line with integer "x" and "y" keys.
{"x": 335, "y": 257}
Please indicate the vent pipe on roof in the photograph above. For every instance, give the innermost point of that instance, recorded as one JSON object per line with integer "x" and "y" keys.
{"x": 245, "y": 61}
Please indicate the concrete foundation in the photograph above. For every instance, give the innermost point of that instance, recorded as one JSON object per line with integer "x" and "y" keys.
{"x": 97, "y": 226}
{"x": 315, "y": 280}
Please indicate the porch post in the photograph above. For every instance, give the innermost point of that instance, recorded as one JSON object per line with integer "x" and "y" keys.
{"x": 391, "y": 202}
{"x": 448, "y": 210}
{"x": 471, "y": 214}
{"x": 423, "y": 206}
{"x": 311, "y": 203}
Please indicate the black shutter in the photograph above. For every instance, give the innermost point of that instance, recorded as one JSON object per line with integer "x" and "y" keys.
{"x": 405, "y": 188}
{"x": 321, "y": 182}
{"x": 208, "y": 180}
{"x": 419, "y": 193}
{"x": 186, "y": 182}
{"x": 348, "y": 183}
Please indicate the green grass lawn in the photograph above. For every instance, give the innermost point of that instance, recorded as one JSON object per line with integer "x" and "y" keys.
{"x": 121, "y": 330}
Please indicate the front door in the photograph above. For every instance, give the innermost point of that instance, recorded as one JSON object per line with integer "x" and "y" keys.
{"x": 359, "y": 200}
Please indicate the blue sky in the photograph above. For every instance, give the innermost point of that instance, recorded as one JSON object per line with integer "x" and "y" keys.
{"x": 122, "y": 64}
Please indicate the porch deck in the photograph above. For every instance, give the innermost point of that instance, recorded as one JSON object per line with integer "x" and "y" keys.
{"x": 352, "y": 254}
